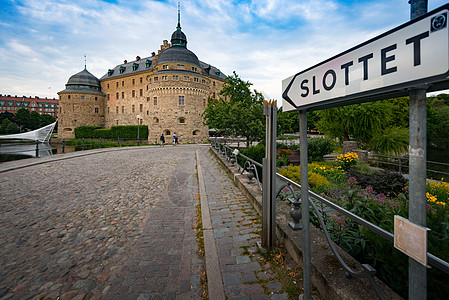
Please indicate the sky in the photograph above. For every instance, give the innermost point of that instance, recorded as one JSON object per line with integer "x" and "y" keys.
{"x": 43, "y": 42}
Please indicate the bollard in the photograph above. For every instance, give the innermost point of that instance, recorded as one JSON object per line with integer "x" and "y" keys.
{"x": 83, "y": 145}
{"x": 100, "y": 143}
{"x": 63, "y": 146}
{"x": 37, "y": 148}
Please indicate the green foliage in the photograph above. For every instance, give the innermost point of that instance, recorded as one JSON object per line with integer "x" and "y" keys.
{"x": 439, "y": 127}
{"x": 318, "y": 147}
{"x": 393, "y": 141}
{"x": 8, "y": 127}
{"x": 256, "y": 153}
{"x": 288, "y": 122}
{"x": 7, "y": 115}
{"x": 333, "y": 174}
{"x": 238, "y": 110}
{"x": 347, "y": 161}
{"x": 25, "y": 120}
{"x": 115, "y": 132}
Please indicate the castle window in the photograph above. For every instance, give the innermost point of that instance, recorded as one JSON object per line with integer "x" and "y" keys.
{"x": 116, "y": 84}
{"x": 164, "y": 67}
{"x": 164, "y": 77}
{"x": 175, "y": 77}
{"x": 213, "y": 95}
{"x": 181, "y": 100}
{"x": 180, "y": 67}
{"x": 122, "y": 69}
{"x": 182, "y": 120}
{"x": 196, "y": 132}
{"x": 186, "y": 77}
{"x": 155, "y": 78}
{"x": 133, "y": 108}
{"x": 204, "y": 102}
{"x": 108, "y": 109}
{"x": 82, "y": 97}
{"x": 96, "y": 98}
{"x": 213, "y": 83}
{"x": 134, "y": 81}
{"x": 123, "y": 83}
{"x": 148, "y": 99}
{"x": 148, "y": 112}
{"x": 116, "y": 95}
{"x": 68, "y": 97}
{"x": 135, "y": 66}
{"x": 123, "y": 109}
{"x": 195, "y": 79}
{"x": 96, "y": 110}
{"x": 203, "y": 81}
{"x": 123, "y": 95}
{"x": 140, "y": 79}
{"x": 116, "y": 109}
{"x": 108, "y": 97}
{"x": 141, "y": 107}
{"x": 147, "y": 63}
{"x": 155, "y": 120}
{"x": 141, "y": 92}
{"x": 134, "y": 93}
{"x": 110, "y": 72}
{"x": 108, "y": 85}
{"x": 155, "y": 101}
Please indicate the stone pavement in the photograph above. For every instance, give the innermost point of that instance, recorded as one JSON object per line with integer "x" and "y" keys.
{"x": 120, "y": 225}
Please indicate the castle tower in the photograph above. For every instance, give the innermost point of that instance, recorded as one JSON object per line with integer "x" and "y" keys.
{"x": 80, "y": 104}
{"x": 178, "y": 92}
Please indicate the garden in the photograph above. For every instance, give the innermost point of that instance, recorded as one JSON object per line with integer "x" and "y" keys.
{"x": 377, "y": 196}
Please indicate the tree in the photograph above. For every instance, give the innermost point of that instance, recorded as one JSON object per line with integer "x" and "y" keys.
{"x": 8, "y": 127}
{"x": 241, "y": 115}
{"x": 45, "y": 119}
{"x": 23, "y": 118}
{"x": 7, "y": 115}
{"x": 287, "y": 121}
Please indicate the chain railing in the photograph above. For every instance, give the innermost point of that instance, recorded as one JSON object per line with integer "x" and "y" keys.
{"x": 368, "y": 271}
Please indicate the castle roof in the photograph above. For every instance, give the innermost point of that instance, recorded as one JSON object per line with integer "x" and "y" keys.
{"x": 83, "y": 81}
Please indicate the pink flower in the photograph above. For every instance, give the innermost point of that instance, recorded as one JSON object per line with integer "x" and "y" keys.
{"x": 352, "y": 180}
{"x": 369, "y": 189}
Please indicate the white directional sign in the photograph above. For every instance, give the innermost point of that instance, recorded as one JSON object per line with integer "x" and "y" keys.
{"x": 412, "y": 54}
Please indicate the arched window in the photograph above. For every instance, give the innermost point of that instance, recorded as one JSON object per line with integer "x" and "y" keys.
{"x": 167, "y": 132}
{"x": 196, "y": 132}
{"x": 182, "y": 120}
{"x": 155, "y": 120}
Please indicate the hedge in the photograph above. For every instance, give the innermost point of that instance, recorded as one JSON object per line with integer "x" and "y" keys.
{"x": 123, "y": 132}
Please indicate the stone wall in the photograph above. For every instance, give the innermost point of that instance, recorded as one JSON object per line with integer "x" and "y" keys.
{"x": 79, "y": 109}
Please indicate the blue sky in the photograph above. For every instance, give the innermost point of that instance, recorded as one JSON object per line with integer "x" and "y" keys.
{"x": 43, "y": 42}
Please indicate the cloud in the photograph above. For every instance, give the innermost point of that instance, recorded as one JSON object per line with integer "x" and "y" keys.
{"x": 43, "y": 42}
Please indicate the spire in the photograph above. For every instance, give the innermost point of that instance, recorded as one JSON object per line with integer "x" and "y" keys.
{"x": 85, "y": 68}
{"x": 179, "y": 16}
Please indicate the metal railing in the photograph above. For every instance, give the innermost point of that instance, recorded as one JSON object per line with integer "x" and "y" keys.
{"x": 400, "y": 163}
{"x": 368, "y": 272}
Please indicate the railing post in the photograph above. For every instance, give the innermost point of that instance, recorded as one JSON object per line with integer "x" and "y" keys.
{"x": 269, "y": 177}
{"x": 37, "y": 148}
{"x": 83, "y": 145}
{"x": 100, "y": 143}
{"x": 63, "y": 146}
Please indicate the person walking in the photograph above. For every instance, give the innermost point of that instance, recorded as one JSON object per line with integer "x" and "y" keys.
{"x": 162, "y": 138}
{"x": 175, "y": 139}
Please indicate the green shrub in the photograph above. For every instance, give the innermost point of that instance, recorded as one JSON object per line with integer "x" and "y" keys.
{"x": 318, "y": 147}
{"x": 384, "y": 181}
{"x": 115, "y": 132}
{"x": 294, "y": 173}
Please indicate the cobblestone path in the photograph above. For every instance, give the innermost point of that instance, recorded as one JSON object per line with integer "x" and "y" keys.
{"x": 237, "y": 230}
{"x": 115, "y": 225}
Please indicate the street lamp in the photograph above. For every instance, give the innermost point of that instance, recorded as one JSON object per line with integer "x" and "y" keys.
{"x": 138, "y": 136}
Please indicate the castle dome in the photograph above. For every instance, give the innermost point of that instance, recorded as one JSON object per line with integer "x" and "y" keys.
{"x": 83, "y": 81}
{"x": 178, "y": 54}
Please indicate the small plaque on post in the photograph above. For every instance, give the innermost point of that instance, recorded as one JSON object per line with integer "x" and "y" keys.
{"x": 411, "y": 239}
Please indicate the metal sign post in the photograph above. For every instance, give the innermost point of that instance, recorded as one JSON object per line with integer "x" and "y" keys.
{"x": 269, "y": 177}
{"x": 307, "y": 265}
{"x": 417, "y": 273}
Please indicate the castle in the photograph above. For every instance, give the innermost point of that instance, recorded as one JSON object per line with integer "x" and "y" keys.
{"x": 167, "y": 91}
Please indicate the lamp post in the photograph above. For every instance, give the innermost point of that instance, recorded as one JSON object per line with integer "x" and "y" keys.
{"x": 138, "y": 135}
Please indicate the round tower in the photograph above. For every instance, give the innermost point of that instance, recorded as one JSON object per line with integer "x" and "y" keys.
{"x": 178, "y": 93}
{"x": 80, "y": 104}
